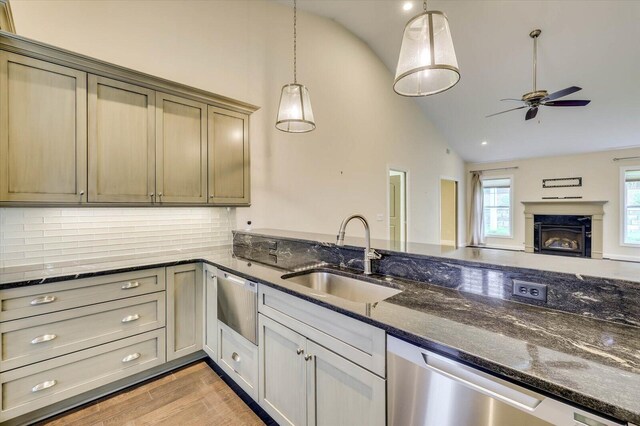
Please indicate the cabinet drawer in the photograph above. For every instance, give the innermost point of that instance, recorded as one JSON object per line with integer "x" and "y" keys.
{"x": 239, "y": 359}
{"x": 33, "y": 300}
{"x": 361, "y": 343}
{"x": 36, "y": 386}
{"x": 34, "y": 339}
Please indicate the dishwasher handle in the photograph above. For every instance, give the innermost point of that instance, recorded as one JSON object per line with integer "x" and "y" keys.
{"x": 233, "y": 278}
{"x": 480, "y": 382}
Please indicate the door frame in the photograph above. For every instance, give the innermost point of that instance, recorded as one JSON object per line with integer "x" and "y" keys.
{"x": 407, "y": 199}
{"x": 439, "y": 190}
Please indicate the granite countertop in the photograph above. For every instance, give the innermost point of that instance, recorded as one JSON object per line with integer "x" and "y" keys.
{"x": 602, "y": 268}
{"x": 592, "y": 363}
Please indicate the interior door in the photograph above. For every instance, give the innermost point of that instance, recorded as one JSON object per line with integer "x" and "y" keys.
{"x": 181, "y": 150}
{"x": 448, "y": 212}
{"x": 343, "y": 393}
{"x": 43, "y": 131}
{"x": 121, "y": 142}
{"x": 283, "y": 384}
{"x": 395, "y": 217}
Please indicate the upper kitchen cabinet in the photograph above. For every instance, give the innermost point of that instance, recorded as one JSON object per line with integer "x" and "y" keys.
{"x": 228, "y": 157}
{"x": 181, "y": 150}
{"x": 43, "y": 137}
{"x": 76, "y": 130}
{"x": 121, "y": 142}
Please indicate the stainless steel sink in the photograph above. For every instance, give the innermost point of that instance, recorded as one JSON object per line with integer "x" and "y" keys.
{"x": 343, "y": 287}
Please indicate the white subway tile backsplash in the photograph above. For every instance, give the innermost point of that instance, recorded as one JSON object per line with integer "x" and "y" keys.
{"x": 36, "y": 237}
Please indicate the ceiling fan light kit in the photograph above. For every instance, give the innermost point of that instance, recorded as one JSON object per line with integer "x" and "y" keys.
{"x": 294, "y": 112}
{"x": 537, "y": 98}
{"x": 427, "y": 63}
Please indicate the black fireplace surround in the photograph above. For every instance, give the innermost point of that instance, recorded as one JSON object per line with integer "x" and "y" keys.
{"x": 562, "y": 235}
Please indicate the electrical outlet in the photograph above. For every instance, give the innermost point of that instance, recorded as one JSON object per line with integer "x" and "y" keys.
{"x": 530, "y": 290}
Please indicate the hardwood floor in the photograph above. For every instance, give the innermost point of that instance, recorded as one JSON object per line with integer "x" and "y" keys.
{"x": 194, "y": 395}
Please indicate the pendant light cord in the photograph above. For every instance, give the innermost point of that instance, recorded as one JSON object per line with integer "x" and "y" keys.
{"x": 295, "y": 58}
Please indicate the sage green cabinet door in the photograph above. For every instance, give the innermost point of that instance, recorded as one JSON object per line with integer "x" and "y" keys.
{"x": 181, "y": 150}
{"x": 121, "y": 142}
{"x": 282, "y": 369}
{"x": 43, "y": 131}
{"x": 228, "y": 134}
{"x": 184, "y": 310}
{"x": 343, "y": 393}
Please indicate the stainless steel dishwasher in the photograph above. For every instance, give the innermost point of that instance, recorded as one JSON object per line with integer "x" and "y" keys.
{"x": 238, "y": 304}
{"x": 426, "y": 389}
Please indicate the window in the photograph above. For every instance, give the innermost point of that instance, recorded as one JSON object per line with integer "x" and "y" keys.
{"x": 631, "y": 207}
{"x": 497, "y": 207}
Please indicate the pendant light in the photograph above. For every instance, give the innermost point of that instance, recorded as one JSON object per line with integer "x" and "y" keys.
{"x": 427, "y": 64}
{"x": 294, "y": 113}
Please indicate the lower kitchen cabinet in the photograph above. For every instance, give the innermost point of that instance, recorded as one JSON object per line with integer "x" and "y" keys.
{"x": 303, "y": 383}
{"x": 184, "y": 310}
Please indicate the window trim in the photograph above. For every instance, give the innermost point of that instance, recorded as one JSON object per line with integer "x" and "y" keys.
{"x": 511, "y": 204}
{"x": 623, "y": 205}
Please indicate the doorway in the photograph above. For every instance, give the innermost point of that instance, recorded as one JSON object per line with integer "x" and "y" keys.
{"x": 397, "y": 207}
{"x": 449, "y": 212}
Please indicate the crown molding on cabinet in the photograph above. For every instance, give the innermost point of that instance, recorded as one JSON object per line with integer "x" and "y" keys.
{"x": 6, "y": 17}
{"x": 24, "y": 46}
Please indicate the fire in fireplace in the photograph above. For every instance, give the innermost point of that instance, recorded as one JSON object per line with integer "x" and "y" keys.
{"x": 563, "y": 235}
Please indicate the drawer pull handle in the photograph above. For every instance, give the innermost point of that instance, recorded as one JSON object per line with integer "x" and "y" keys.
{"x": 44, "y": 385}
{"x": 130, "y": 318}
{"x": 130, "y": 284}
{"x": 43, "y": 300}
{"x": 131, "y": 357}
{"x": 235, "y": 357}
{"x": 43, "y": 338}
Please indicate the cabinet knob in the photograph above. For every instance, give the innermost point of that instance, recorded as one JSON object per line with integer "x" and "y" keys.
{"x": 159, "y": 194}
{"x": 300, "y": 351}
{"x": 210, "y": 196}
{"x": 235, "y": 357}
{"x": 151, "y": 194}
{"x": 82, "y": 192}
{"x": 308, "y": 357}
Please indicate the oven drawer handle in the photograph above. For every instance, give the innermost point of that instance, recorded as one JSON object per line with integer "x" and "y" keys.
{"x": 44, "y": 385}
{"x": 479, "y": 383}
{"x": 233, "y": 279}
{"x": 130, "y": 318}
{"x": 130, "y": 285}
{"x": 43, "y": 300}
{"x": 43, "y": 338}
{"x": 131, "y": 357}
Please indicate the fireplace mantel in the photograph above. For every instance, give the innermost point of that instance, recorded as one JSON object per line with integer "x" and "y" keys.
{"x": 595, "y": 209}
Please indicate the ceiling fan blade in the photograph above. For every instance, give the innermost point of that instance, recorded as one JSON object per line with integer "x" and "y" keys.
{"x": 561, "y": 93}
{"x": 567, "y": 103}
{"x": 531, "y": 113}
{"x": 502, "y": 112}
{"x": 511, "y": 99}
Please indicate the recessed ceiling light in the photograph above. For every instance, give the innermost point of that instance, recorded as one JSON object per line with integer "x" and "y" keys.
{"x": 407, "y": 6}
{"x": 484, "y": 143}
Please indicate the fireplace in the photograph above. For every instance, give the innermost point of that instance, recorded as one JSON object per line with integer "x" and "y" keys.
{"x": 564, "y": 227}
{"x": 563, "y": 235}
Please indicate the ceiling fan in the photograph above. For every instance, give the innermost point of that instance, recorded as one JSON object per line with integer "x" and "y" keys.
{"x": 537, "y": 98}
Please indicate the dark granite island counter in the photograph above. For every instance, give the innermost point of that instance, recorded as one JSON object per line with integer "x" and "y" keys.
{"x": 576, "y": 357}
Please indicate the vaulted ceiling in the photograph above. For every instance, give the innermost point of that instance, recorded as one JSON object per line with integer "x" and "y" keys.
{"x": 591, "y": 44}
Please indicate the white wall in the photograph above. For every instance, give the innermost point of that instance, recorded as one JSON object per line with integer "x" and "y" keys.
{"x": 243, "y": 49}
{"x": 600, "y": 182}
